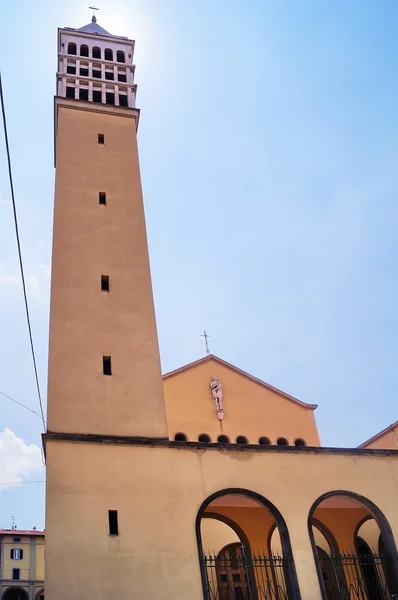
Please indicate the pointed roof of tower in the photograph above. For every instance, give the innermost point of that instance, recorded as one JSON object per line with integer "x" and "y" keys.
{"x": 93, "y": 27}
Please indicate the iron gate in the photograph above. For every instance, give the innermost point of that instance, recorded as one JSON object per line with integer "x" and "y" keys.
{"x": 356, "y": 577}
{"x": 238, "y": 577}
{"x": 233, "y": 576}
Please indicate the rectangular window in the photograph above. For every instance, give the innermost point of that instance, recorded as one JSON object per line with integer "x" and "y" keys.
{"x": 105, "y": 283}
{"x": 101, "y": 138}
{"x": 71, "y": 70}
{"x": 97, "y": 96}
{"x": 107, "y": 368}
{"x": 113, "y": 525}
{"x": 83, "y": 72}
{"x": 122, "y": 77}
{"x": 16, "y": 554}
{"x": 102, "y": 198}
{"x": 122, "y": 100}
{"x": 83, "y": 94}
{"x": 97, "y": 73}
{"x": 109, "y": 75}
{"x": 15, "y": 574}
{"x": 110, "y": 98}
{"x": 70, "y": 92}
{"x": 18, "y": 539}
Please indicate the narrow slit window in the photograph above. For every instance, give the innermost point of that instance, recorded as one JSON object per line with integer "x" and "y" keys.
{"x": 106, "y": 365}
{"x": 102, "y": 197}
{"x": 113, "y": 524}
{"x": 105, "y": 283}
{"x": 101, "y": 138}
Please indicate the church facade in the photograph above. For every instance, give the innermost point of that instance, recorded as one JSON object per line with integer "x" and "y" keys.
{"x": 205, "y": 483}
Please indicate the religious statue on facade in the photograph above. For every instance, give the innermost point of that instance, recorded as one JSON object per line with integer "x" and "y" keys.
{"x": 216, "y": 392}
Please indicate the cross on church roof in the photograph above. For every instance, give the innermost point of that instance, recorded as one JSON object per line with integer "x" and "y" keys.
{"x": 206, "y": 336}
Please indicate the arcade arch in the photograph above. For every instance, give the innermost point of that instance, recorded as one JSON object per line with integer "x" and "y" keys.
{"x": 237, "y": 564}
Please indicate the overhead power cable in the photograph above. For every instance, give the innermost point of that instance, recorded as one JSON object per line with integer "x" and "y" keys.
{"x": 20, "y": 404}
{"x": 22, "y": 482}
{"x": 20, "y": 253}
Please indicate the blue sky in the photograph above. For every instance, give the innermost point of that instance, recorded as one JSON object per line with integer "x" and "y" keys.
{"x": 269, "y": 151}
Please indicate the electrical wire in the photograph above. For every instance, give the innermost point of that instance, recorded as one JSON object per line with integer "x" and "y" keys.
{"x": 20, "y": 404}
{"x": 22, "y": 482}
{"x": 20, "y": 254}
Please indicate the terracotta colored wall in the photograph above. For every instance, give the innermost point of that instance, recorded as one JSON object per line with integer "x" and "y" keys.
{"x": 255, "y": 522}
{"x": 158, "y": 491}
{"x": 389, "y": 441}
{"x": 250, "y": 409}
{"x": 87, "y": 324}
{"x": 370, "y": 532}
{"x": 342, "y": 524}
{"x": 216, "y": 535}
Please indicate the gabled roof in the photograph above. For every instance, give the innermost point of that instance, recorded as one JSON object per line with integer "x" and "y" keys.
{"x": 228, "y": 365}
{"x": 93, "y": 27}
{"x": 379, "y": 435}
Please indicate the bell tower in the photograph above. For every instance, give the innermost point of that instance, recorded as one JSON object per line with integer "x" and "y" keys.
{"x": 104, "y": 367}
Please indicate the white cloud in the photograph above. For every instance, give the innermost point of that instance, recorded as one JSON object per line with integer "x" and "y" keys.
{"x": 17, "y": 459}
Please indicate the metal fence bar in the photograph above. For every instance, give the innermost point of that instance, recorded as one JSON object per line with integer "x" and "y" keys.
{"x": 357, "y": 577}
{"x": 245, "y": 578}
{"x": 346, "y": 577}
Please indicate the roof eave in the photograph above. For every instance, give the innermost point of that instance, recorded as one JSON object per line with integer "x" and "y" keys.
{"x": 244, "y": 374}
{"x": 377, "y": 436}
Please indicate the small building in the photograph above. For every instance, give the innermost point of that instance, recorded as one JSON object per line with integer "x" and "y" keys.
{"x": 21, "y": 564}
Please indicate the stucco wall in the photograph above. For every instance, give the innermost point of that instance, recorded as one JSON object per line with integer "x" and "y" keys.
{"x": 388, "y": 440}
{"x": 158, "y": 491}
{"x": 9, "y": 564}
{"x": 216, "y": 535}
{"x": 251, "y": 409}
{"x": 91, "y": 240}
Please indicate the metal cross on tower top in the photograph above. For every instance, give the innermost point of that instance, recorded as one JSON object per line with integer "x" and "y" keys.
{"x": 94, "y": 18}
{"x": 206, "y": 336}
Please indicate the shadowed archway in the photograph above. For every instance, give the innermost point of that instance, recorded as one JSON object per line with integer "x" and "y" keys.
{"x": 15, "y": 593}
{"x": 244, "y": 540}
{"x": 293, "y": 592}
{"x": 383, "y": 524}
